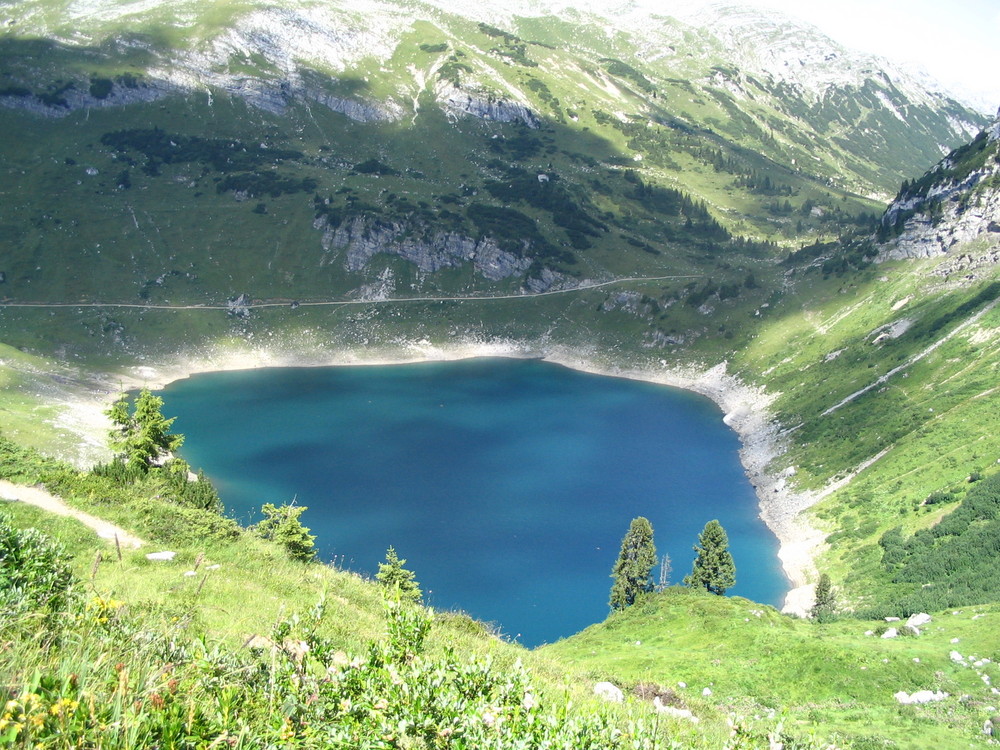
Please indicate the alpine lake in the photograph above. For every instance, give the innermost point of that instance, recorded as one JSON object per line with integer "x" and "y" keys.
{"x": 506, "y": 485}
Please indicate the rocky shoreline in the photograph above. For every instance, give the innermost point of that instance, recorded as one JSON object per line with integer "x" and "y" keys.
{"x": 746, "y": 410}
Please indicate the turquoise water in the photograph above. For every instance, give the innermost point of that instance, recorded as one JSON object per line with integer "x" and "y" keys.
{"x": 507, "y": 485}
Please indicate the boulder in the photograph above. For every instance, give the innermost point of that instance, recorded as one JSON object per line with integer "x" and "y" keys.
{"x": 672, "y": 711}
{"x": 890, "y": 633}
{"x": 921, "y": 696}
{"x": 164, "y": 556}
{"x": 918, "y": 620}
{"x": 609, "y": 692}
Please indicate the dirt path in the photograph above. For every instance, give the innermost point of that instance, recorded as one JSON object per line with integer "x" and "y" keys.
{"x": 53, "y": 504}
{"x": 342, "y": 303}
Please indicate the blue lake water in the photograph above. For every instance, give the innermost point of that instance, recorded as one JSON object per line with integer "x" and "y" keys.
{"x": 507, "y": 485}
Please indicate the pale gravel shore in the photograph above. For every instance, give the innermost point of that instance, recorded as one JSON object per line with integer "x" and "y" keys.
{"x": 746, "y": 410}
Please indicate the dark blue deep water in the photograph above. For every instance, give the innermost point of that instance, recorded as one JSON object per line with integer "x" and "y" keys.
{"x": 507, "y": 485}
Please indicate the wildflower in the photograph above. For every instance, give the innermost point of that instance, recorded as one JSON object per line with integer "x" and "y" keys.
{"x": 37, "y": 720}
{"x": 529, "y": 702}
{"x": 380, "y": 705}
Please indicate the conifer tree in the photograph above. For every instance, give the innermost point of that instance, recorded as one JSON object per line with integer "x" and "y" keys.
{"x": 281, "y": 524}
{"x": 396, "y": 578}
{"x": 713, "y": 567}
{"x": 825, "y": 606}
{"x": 635, "y": 561}
{"x": 141, "y": 438}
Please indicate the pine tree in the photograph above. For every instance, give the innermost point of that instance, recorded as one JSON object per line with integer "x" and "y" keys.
{"x": 635, "y": 561}
{"x": 396, "y": 578}
{"x": 141, "y": 438}
{"x": 713, "y": 567}
{"x": 825, "y": 606}
{"x": 281, "y": 524}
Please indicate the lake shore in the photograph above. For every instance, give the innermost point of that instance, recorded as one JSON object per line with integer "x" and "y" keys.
{"x": 746, "y": 410}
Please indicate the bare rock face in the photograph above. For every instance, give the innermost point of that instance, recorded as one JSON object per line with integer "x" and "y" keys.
{"x": 359, "y": 240}
{"x": 951, "y": 213}
{"x": 484, "y": 106}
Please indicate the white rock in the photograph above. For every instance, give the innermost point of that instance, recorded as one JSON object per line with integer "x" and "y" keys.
{"x": 869, "y": 632}
{"x": 161, "y": 556}
{"x": 918, "y": 620}
{"x": 921, "y": 696}
{"x": 189, "y": 573}
{"x": 956, "y": 657}
{"x": 892, "y": 619}
{"x": 677, "y": 713}
{"x": 706, "y": 691}
{"x": 954, "y": 640}
{"x": 609, "y": 692}
{"x": 890, "y": 633}
{"x": 682, "y": 684}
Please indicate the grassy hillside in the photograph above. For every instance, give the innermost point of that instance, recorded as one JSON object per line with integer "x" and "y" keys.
{"x": 145, "y": 651}
{"x": 831, "y": 681}
{"x": 179, "y": 653}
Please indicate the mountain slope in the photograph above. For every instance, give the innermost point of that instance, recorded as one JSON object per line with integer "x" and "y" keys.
{"x": 540, "y": 154}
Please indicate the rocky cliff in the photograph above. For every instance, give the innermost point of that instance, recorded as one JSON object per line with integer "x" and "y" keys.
{"x": 952, "y": 210}
{"x": 356, "y": 242}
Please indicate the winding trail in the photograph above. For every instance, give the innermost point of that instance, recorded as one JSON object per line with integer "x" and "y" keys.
{"x": 46, "y": 501}
{"x": 339, "y": 303}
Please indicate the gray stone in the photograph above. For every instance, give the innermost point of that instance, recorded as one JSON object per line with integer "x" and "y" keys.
{"x": 609, "y": 692}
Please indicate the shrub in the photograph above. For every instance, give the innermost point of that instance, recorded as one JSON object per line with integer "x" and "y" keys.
{"x": 34, "y": 572}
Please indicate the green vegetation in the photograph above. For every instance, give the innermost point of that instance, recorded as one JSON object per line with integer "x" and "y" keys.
{"x": 825, "y": 606}
{"x": 399, "y": 582}
{"x": 113, "y": 673}
{"x": 949, "y": 564}
{"x": 632, "y": 568}
{"x": 742, "y": 206}
{"x": 141, "y": 438}
{"x": 827, "y": 681}
{"x": 281, "y": 525}
{"x": 35, "y": 577}
{"x": 713, "y": 568}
